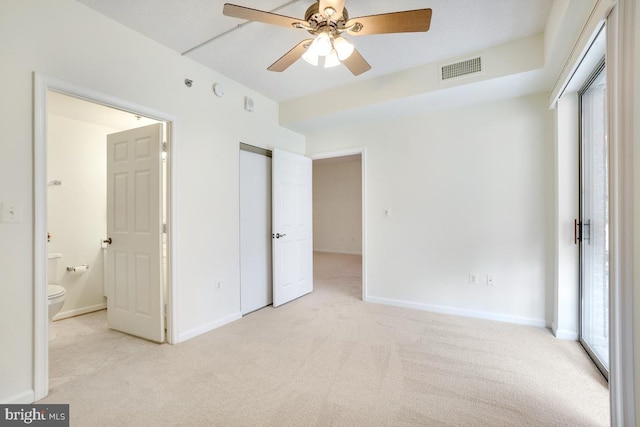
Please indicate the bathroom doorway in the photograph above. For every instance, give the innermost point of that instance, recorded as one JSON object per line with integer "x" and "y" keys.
{"x": 83, "y": 138}
{"x": 70, "y": 154}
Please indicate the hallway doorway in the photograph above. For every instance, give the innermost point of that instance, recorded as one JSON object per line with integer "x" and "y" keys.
{"x": 338, "y": 208}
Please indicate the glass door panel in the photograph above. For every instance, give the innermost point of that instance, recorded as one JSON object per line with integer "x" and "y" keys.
{"x": 594, "y": 213}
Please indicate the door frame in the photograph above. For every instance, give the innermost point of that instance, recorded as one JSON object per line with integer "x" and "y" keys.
{"x": 363, "y": 171}
{"x": 622, "y": 133}
{"x": 42, "y": 84}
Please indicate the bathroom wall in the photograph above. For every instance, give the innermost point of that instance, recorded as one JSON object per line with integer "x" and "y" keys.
{"x": 337, "y": 205}
{"x": 76, "y": 217}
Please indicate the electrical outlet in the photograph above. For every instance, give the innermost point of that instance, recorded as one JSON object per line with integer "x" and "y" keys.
{"x": 11, "y": 212}
{"x": 473, "y": 279}
{"x": 491, "y": 279}
{"x": 218, "y": 286}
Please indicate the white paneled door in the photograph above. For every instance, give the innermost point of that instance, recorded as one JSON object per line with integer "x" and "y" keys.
{"x": 134, "y": 227}
{"x": 292, "y": 227}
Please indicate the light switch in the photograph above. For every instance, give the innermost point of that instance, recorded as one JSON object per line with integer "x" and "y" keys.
{"x": 11, "y": 212}
{"x": 473, "y": 278}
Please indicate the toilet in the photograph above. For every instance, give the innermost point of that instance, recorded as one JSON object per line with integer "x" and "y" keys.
{"x": 55, "y": 292}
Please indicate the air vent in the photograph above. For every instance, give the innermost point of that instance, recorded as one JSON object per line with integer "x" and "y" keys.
{"x": 462, "y": 68}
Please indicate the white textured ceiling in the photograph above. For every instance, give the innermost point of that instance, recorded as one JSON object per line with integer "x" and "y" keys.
{"x": 244, "y": 53}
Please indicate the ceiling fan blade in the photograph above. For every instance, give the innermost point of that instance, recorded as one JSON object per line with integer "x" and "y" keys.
{"x": 290, "y": 57}
{"x": 242, "y": 12}
{"x": 337, "y": 5}
{"x": 356, "y": 63}
{"x": 395, "y": 22}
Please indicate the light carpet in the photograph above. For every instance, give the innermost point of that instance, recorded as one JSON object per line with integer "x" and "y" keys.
{"x": 328, "y": 359}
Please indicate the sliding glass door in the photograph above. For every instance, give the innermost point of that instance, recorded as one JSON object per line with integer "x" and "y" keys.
{"x": 592, "y": 228}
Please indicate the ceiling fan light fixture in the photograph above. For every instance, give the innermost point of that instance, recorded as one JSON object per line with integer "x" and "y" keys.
{"x": 322, "y": 44}
{"x": 331, "y": 60}
{"x": 327, "y": 20}
{"x": 311, "y": 57}
{"x": 343, "y": 48}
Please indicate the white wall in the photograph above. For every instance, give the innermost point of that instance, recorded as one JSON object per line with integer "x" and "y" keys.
{"x": 470, "y": 191}
{"x": 337, "y": 206}
{"x": 66, "y": 40}
{"x": 76, "y": 215}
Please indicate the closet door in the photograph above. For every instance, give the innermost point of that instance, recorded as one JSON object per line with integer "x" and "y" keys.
{"x": 292, "y": 233}
{"x": 255, "y": 230}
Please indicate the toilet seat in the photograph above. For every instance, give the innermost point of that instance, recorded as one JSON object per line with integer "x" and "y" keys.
{"x": 54, "y": 291}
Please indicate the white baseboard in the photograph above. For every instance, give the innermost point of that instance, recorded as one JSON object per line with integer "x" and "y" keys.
{"x": 540, "y": 323}
{"x": 208, "y": 327}
{"x": 24, "y": 397}
{"x": 329, "y": 251}
{"x": 564, "y": 334}
{"x": 78, "y": 311}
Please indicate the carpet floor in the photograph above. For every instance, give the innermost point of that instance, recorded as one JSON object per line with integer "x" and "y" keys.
{"x": 328, "y": 359}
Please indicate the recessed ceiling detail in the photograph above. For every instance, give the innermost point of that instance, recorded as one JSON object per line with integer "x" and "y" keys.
{"x": 242, "y": 50}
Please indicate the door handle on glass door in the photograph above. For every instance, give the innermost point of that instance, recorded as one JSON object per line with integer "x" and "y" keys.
{"x": 581, "y": 231}
{"x": 585, "y": 231}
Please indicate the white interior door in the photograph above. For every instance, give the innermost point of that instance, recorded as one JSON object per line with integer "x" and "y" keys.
{"x": 255, "y": 231}
{"x": 292, "y": 227}
{"x": 134, "y": 218}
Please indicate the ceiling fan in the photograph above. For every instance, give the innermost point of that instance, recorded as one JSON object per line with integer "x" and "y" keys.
{"x": 327, "y": 20}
